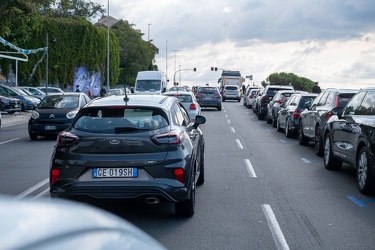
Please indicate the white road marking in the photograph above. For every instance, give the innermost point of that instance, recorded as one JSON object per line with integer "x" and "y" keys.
{"x": 228, "y": 121}
{"x": 250, "y": 168}
{"x": 9, "y": 141}
{"x": 277, "y": 234}
{"x": 305, "y": 160}
{"x": 226, "y": 115}
{"x": 239, "y": 144}
{"x": 32, "y": 189}
{"x": 42, "y": 194}
{"x": 232, "y": 129}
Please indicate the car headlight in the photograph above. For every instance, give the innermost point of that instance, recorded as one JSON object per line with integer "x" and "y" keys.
{"x": 5, "y": 101}
{"x": 71, "y": 114}
{"x": 34, "y": 115}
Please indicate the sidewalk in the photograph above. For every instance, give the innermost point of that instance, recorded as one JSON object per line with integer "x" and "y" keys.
{"x": 8, "y": 120}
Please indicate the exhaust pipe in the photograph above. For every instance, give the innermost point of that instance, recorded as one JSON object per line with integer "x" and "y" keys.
{"x": 152, "y": 200}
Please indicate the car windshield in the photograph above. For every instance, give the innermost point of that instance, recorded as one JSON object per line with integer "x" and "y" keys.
{"x": 121, "y": 120}
{"x": 59, "y": 102}
{"x": 147, "y": 85}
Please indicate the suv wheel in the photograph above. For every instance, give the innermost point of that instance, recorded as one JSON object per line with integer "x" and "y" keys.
{"x": 330, "y": 162}
{"x": 302, "y": 139}
{"x": 201, "y": 174}
{"x": 187, "y": 208}
{"x": 33, "y": 137}
{"x": 364, "y": 178}
{"x": 318, "y": 142}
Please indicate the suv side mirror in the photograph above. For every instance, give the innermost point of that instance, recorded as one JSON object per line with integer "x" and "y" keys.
{"x": 337, "y": 111}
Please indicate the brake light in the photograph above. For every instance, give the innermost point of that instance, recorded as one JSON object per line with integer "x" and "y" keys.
{"x": 250, "y": 96}
{"x": 55, "y": 174}
{"x": 193, "y": 106}
{"x": 198, "y": 95}
{"x": 217, "y": 96}
{"x": 179, "y": 174}
{"x": 167, "y": 138}
{"x": 280, "y": 101}
{"x": 66, "y": 139}
{"x": 296, "y": 114}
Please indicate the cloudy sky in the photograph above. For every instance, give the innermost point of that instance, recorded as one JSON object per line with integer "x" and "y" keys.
{"x": 329, "y": 41}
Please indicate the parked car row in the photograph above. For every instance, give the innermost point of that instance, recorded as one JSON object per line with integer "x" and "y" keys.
{"x": 340, "y": 122}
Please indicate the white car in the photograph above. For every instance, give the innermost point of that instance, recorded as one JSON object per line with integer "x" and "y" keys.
{"x": 188, "y": 100}
{"x": 249, "y": 97}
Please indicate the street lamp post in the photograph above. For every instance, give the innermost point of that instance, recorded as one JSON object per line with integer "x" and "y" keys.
{"x": 174, "y": 76}
{"x": 148, "y": 38}
{"x": 108, "y": 46}
{"x": 174, "y": 63}
{"x": 166, "y": 60}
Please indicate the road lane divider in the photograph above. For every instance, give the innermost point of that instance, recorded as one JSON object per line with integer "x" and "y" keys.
{"x": 32, "y": 189}
{"x": 9, "y": 141}
{"x": 277, "y": 234}
{"x": 228, "y": 121}
{"x": 250, "y": 168}
{"x": 232, "y": 129}
{"x": 239, "y": 144}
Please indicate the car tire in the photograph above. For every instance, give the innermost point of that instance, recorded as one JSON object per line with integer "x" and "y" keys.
{"x": 223, "y": 100}
{"x": 260, "y": 117}
{"x": 330, "y": 162}
{"x": 219, "y": 108}
{"x": 186, "y": 208}
{"x": 288, "y": 133}
{"x": 33, "y": 137}
{"x": 239, "y": 99}
{"x": 201, "y": 174}
{"x": 302, "y": 139}
{"x": 318, "y": 142}
{"x": 365, "y": 180}
{"x": 274, "y": 120}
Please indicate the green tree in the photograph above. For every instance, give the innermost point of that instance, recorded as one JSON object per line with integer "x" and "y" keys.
{"x": 289, "y": 78}
{"x": 135, "y": 53}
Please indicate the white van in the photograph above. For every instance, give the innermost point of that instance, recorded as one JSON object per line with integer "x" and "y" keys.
{"x": 149, "y": 83}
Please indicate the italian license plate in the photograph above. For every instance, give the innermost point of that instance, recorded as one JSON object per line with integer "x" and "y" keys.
{"x": 114, "y": 172}
{"x": 50, "y": 127}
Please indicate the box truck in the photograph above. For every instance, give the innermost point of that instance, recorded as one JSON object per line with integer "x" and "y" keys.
{"x": 149, "y": 83}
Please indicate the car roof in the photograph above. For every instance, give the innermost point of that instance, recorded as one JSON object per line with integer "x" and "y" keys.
{"x": 160, "y": 101}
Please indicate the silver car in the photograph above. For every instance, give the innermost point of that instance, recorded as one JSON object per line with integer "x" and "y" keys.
{"x": 231, "y": 92}
{"x": 188, "y": 101}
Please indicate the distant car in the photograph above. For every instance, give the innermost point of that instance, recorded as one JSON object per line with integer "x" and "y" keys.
{"x": 55, "y": 113}
{"x": 177, "y": 88}
{"x": 27, "y": 102}
{"x": 115, "y": 92}
{"x": 28, "y": 224}
{"x": 316, "y": 114}
{"x": 267, "y": 94}
{"x": 35, "y": 91}
{"x": 275, "y": 104}
{"x": 10, "y": 105}
{"x": 51, "y": 90}
{"x": 231, "y": 92}
{"x": 288, "y": 117}
{"x": 349, "y": 137}
{"x": 209, "y": 97}
{"x": 188, "y": 100}
{"x": 248, "y": 96}
{"x": 143, "y": 148}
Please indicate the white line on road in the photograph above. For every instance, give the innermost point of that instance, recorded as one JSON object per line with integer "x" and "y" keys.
{"x": 8, "y": 141}
{"x": 32, "y": 189}
{"x": 239, "y": 144}
{"x": 232, "y": 129}
{"x": 226, "y": 115}
{"x": 41, "y": 194}
{"x": 250, "y": 168}
{"x": 228, "y": 121}
{"x": 277, "y": 234}
{"x": 305, "y": 160}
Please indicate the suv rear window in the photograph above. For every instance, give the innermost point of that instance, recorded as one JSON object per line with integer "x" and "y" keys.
{"x": 182, "y": 98}
{"x": 272, "y": 91}
{"x": 344, "y": 99}
{"x": 210, "y": 90}
{"x": 121, "y": 120}
{"x": 231, "y": 87}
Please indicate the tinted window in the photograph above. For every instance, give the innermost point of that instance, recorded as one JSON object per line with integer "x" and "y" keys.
{"x": 272, "y": 91}
{"x": 354, "y": 104}
{"x": 368, "y": 105}
{"x": 231, "y": 87}
{"x": 344, "y": 99}
{"x": 208, "y": 90}
{"x": 183, "y": 98}
{"x": 305, "y": 99}
{"x": 120, "y": 120}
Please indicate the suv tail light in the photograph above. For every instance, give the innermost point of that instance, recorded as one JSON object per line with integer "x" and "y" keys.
{"x": 251, "y": 96}
{"x": 297, "y": 114}
{"x": 179, "y": 174}
{"x": 167, "y": 138}
{"x": 66, "y": 139}
{"x": 217, "y": 96}
{"x": 198, "y": 95}
{"x": 55, "y": 174}
{"x": 193, "y": 106}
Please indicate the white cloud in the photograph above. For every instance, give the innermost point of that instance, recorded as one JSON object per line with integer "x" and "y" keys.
{"x": 327, "y": 41}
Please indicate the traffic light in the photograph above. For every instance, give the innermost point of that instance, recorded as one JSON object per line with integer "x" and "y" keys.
{"x": 195, "y": 69}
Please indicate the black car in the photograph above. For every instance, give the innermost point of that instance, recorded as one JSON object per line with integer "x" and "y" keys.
{"x": 141, "y": 148}
{"x": 267, "y": 95}
{"x": 209, "y": 97}
{"x": 317, "y": 113}
{"x": 10, "y": 105}
{"x": 349, "y": 136}
{"x": 55, "y": 113}
{"x": 289, "y": 115}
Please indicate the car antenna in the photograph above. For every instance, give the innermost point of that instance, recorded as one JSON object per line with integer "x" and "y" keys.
{"x": 126, "y": 98}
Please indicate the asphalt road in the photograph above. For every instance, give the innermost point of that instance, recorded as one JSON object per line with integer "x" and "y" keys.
{"x": 261, "y": 190}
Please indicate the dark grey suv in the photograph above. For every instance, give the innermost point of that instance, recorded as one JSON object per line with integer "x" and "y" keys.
{"x": 316, "y": 114}
{"x": 138, "y": 148}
